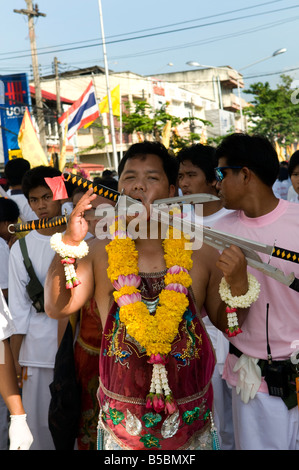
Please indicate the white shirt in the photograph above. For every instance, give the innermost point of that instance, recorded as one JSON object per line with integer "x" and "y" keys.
{"x": 26, "y": 213}
{"x": 39, "y": 345}
{"x": 295, "y": 199}
{"x": 4, "y": 256}
{"x": 6, "y": 323}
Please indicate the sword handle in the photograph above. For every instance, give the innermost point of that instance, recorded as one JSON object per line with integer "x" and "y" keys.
{"x": 99, "y": 189}
{"x": 295, "y": 285}
{"x": 38, "y": 224}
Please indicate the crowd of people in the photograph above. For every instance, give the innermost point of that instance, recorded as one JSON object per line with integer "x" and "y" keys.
{"x": 133, "y": 342}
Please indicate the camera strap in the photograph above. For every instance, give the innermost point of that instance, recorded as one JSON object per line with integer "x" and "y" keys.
{"x": 267, "y": 335}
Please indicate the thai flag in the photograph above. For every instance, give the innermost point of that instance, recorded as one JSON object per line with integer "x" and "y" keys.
{"x": 82, "y": 111}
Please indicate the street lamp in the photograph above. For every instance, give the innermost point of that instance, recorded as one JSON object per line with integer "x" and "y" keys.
{"x": 275, "y": 53}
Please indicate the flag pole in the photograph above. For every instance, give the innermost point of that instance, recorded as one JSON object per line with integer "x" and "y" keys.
{"x": 101, "y": 119}
{"x": 120, "y": 125}
{"x": 115, "y": 159}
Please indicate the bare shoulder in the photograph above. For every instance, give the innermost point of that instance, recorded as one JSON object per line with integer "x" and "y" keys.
{"x": 103, "y": 288}
{"x": 204, "y": 273}
{"x": 205, "y": 258}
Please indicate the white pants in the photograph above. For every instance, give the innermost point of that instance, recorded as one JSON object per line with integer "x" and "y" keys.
{"x": 223, "y": 411}
{"x": 265, "y": 423}
{"x": 36, "y": 400}
{"x": 222, "y": 392}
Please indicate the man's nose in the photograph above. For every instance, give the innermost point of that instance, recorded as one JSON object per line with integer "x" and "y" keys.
{"x": 41, "y": 203}
{"x": 183, "y": 182}
{"x": 140, "y": 184}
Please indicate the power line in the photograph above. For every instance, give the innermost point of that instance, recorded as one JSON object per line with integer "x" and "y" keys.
{"x": 147, "y": 29}
{"x": 145, "y": 36}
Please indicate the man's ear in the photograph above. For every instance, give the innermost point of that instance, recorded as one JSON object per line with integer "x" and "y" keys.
{"x": 247, "y": 174}
{"x": 172, "y": 190}
{"x": 214, "y": 185}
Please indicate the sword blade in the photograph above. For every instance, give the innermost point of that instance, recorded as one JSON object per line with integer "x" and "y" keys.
{"x": 222, "y": 240}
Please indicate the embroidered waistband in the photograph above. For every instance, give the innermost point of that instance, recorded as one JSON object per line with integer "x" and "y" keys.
{"x": 142, "y": 402}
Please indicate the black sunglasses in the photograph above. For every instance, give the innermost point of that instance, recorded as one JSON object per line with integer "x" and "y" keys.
{"x": 219, "y": 171}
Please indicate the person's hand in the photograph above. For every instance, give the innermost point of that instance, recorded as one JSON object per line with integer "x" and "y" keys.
{"x": 77, "y": 226}
{"x": 19, "y": 374}
{"x": 20, "y": 436}
{"x": 250, "y": 377}
{"x": 233, "y": 264}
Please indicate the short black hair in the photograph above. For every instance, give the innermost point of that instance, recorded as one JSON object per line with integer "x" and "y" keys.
{"x": 170, "y": 163}
{"x": 15, "y": 169}
{"x": 108, "y": 182}
{"x": 255, "y": 152}
{"x": 294, "y": 161}
{"x": 9, "y": 210}
{"x": 36, "y": 177}
{"x": 202, "y": 156}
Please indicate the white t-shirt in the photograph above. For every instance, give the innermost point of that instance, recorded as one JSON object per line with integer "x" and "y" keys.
{"x": 280, "y": 188}
{"x": 291, "y": 193}
{"x": 6, "y": 323}
{"x": 26, "y": 213}
{"x": 39, "y": 345}
{"x": 295, "y": 199}
{"x": 4, "y": 256}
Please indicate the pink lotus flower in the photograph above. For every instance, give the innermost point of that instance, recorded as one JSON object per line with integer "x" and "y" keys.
{"x": 170, "y": 405}
{"x": 76, "y": 282}
{"x": 149, "y": 401}
{"x": 176, "y": 269}
{"x": 158, "y": 403}
{"x": 230, "y": 310}
{"x": 129, "y": 280}
{"x": 177, "y": 288}
{"x": 157, "y": 359}
{"x": 67, "y": 260}
{"x": 129, "y": 299}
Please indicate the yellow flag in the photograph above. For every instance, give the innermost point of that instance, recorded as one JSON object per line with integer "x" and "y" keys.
{"x": 115, "y": 100}
{"x": 29, "y": 143}
{"x": 280, "y": 152}
{"x": 62, "y": 156}
{"x": 203, "y": 138}
{"x": 166, "y": 134}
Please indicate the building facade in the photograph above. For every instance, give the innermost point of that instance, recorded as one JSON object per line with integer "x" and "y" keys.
{"x": 203, "y": 94}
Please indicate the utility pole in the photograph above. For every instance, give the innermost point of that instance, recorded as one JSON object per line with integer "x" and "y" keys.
{"x": 58, "y": 101}
{"x": 33, "y": 12}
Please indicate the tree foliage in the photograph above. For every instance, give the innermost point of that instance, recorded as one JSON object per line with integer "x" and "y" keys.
{"x": 147, "y": 121}
{"x": 272, "y": 113}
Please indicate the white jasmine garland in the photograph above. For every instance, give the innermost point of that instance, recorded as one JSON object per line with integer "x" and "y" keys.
{"x": 159, "y": 383}
{"x": 241, "y": 301}
{"x": 69, "y": 251}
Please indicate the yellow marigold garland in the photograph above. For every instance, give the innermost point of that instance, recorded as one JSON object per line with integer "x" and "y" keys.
{"x": 153, "y": 332}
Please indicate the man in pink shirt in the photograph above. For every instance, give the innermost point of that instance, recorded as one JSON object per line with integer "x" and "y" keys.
{"x": 247, "y": 169}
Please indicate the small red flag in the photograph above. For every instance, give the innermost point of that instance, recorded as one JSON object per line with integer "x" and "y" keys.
{"x": 57, "y": 186}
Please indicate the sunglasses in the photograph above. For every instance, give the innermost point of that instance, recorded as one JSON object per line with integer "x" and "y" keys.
{"x": 219, "y": 171}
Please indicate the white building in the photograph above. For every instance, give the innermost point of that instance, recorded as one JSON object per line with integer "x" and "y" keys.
{"x": 205, "y": 94}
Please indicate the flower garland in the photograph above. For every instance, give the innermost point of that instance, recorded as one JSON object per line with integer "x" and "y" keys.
{"x": 153, "y": 332}
{"x": 234, "y": 302}
{"x": 69, "y": 254}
